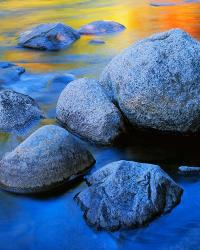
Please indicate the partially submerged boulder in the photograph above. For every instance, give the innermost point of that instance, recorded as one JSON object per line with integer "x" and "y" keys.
{"x": 101, "y": 27}
{"x": 127, "y": 195}
{"x": 49, "y": 36}
{"x": 10, "y": 72}
{"x": 48, "y": 158}
{"x": 17, "y": 111}
{"x": 84, "y": 109}
{"x": 156, "y": 82}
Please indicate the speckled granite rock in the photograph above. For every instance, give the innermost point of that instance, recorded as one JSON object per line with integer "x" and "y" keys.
{"x": 49, "y": 36}
{"x": 10, "y": 72}
{"x": 101, "y": 28}
{"x": 17, "y": 111}
{"x": 127, "y": 195}
{"x": 46, "y": 159}
{"x": 86, "y": 110}
{"x": 156, "y": 82}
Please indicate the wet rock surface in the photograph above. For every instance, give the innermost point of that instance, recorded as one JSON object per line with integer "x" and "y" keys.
{"x": 49, "y": 36}
{"x": 101, "y": 28}
{"x": 127, "y": 195}
{"x": 155, "y": 82}
{"x": 48, "y": 158}
{"x": 17, "y": 111}
{"x": 84, "y": 108}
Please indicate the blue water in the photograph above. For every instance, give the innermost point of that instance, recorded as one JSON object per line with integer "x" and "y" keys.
{"x": 53, "y": 221}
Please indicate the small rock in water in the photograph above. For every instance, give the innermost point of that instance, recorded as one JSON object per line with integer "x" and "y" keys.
{"x": 155, "y": 82}
{"x": 96, "y": 41}
{"x": 65, "y": 78}
{"x": 10, "y": 72}
{"x": 48, "y": 158}
{"x": 162, "y": 4}
{"x": 50, "y": 36}
{"x": 189, "y": 170}
{"x": 101, "y": 27}
{"x": 127, "y": 195}
{"x": 84, "y": 108}
{"x": 17, "y": 111}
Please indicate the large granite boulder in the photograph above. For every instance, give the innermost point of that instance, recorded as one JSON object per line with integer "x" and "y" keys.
{"x": 156, "y": 82}
{"x": 49, "y": 36}
{"x": 101, "y": 27}
{"x": 127, "y": 195}
{"x": 10, "y": 72}
{"x": 17, "y": 111}
{"x": 48, "y": 158}
{"x": 86, "y": 110}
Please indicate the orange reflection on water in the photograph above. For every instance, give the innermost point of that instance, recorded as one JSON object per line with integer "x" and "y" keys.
{"x": 139, "y": 16}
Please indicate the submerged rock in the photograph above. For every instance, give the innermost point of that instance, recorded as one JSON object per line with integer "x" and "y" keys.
{"x": 97, "y": 41}
{"x": 17, "y": 111}
{"x": 101, "y": 28}
{"x": 10, "y": 72}
{"x": 86, "y": 110}
{"x": 189, "y": 170}
{"x": 46, "y": 159}
{"x": 49, "y": 36}
{"x": 127, "y": 195}
{"x": 163, "y": 4}
{"x": 156, "y": 82}
{"x": 63, "y": 79}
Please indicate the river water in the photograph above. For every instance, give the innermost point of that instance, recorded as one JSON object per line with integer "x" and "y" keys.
{"x": 54, "y": 221}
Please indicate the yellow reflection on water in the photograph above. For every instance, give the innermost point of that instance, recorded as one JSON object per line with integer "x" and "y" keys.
{"x": 139, "y": 16}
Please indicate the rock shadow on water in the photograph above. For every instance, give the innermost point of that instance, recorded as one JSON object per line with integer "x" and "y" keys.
{"x": 164, "y": 149}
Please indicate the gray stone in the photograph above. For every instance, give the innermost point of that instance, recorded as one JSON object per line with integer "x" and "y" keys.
{"x": 49, "y": 36}
{"x": 189, "y": 170}
{"x": 97, "y": 41}
{"x": 10, "y": 72}
{"x": 163, "y": 4}
{"x": 84, "y": 109}
{"x": 156, "y": 82}
{"x": 48, "y": 158}
{"x": 101, "y": 28}
{"x": 17, "y": 111}
{"x": 127, "y": 195}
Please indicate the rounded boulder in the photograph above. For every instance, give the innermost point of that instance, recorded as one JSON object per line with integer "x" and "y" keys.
{"x": 48, "y": 158}
{"x": 156, "y": 82}
{"x": 85, "y": 109}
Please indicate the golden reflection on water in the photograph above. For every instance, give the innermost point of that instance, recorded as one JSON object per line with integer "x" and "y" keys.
{"x": 140, "y": 18}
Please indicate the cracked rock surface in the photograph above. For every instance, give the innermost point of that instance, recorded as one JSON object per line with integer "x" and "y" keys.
{"x": 48, "y": 158}
{"x": 156, "y": 82}
{"x": 127, "y": 194}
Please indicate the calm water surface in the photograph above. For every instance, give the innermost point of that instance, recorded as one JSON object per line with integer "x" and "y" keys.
{"x": 54, "y": 221}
